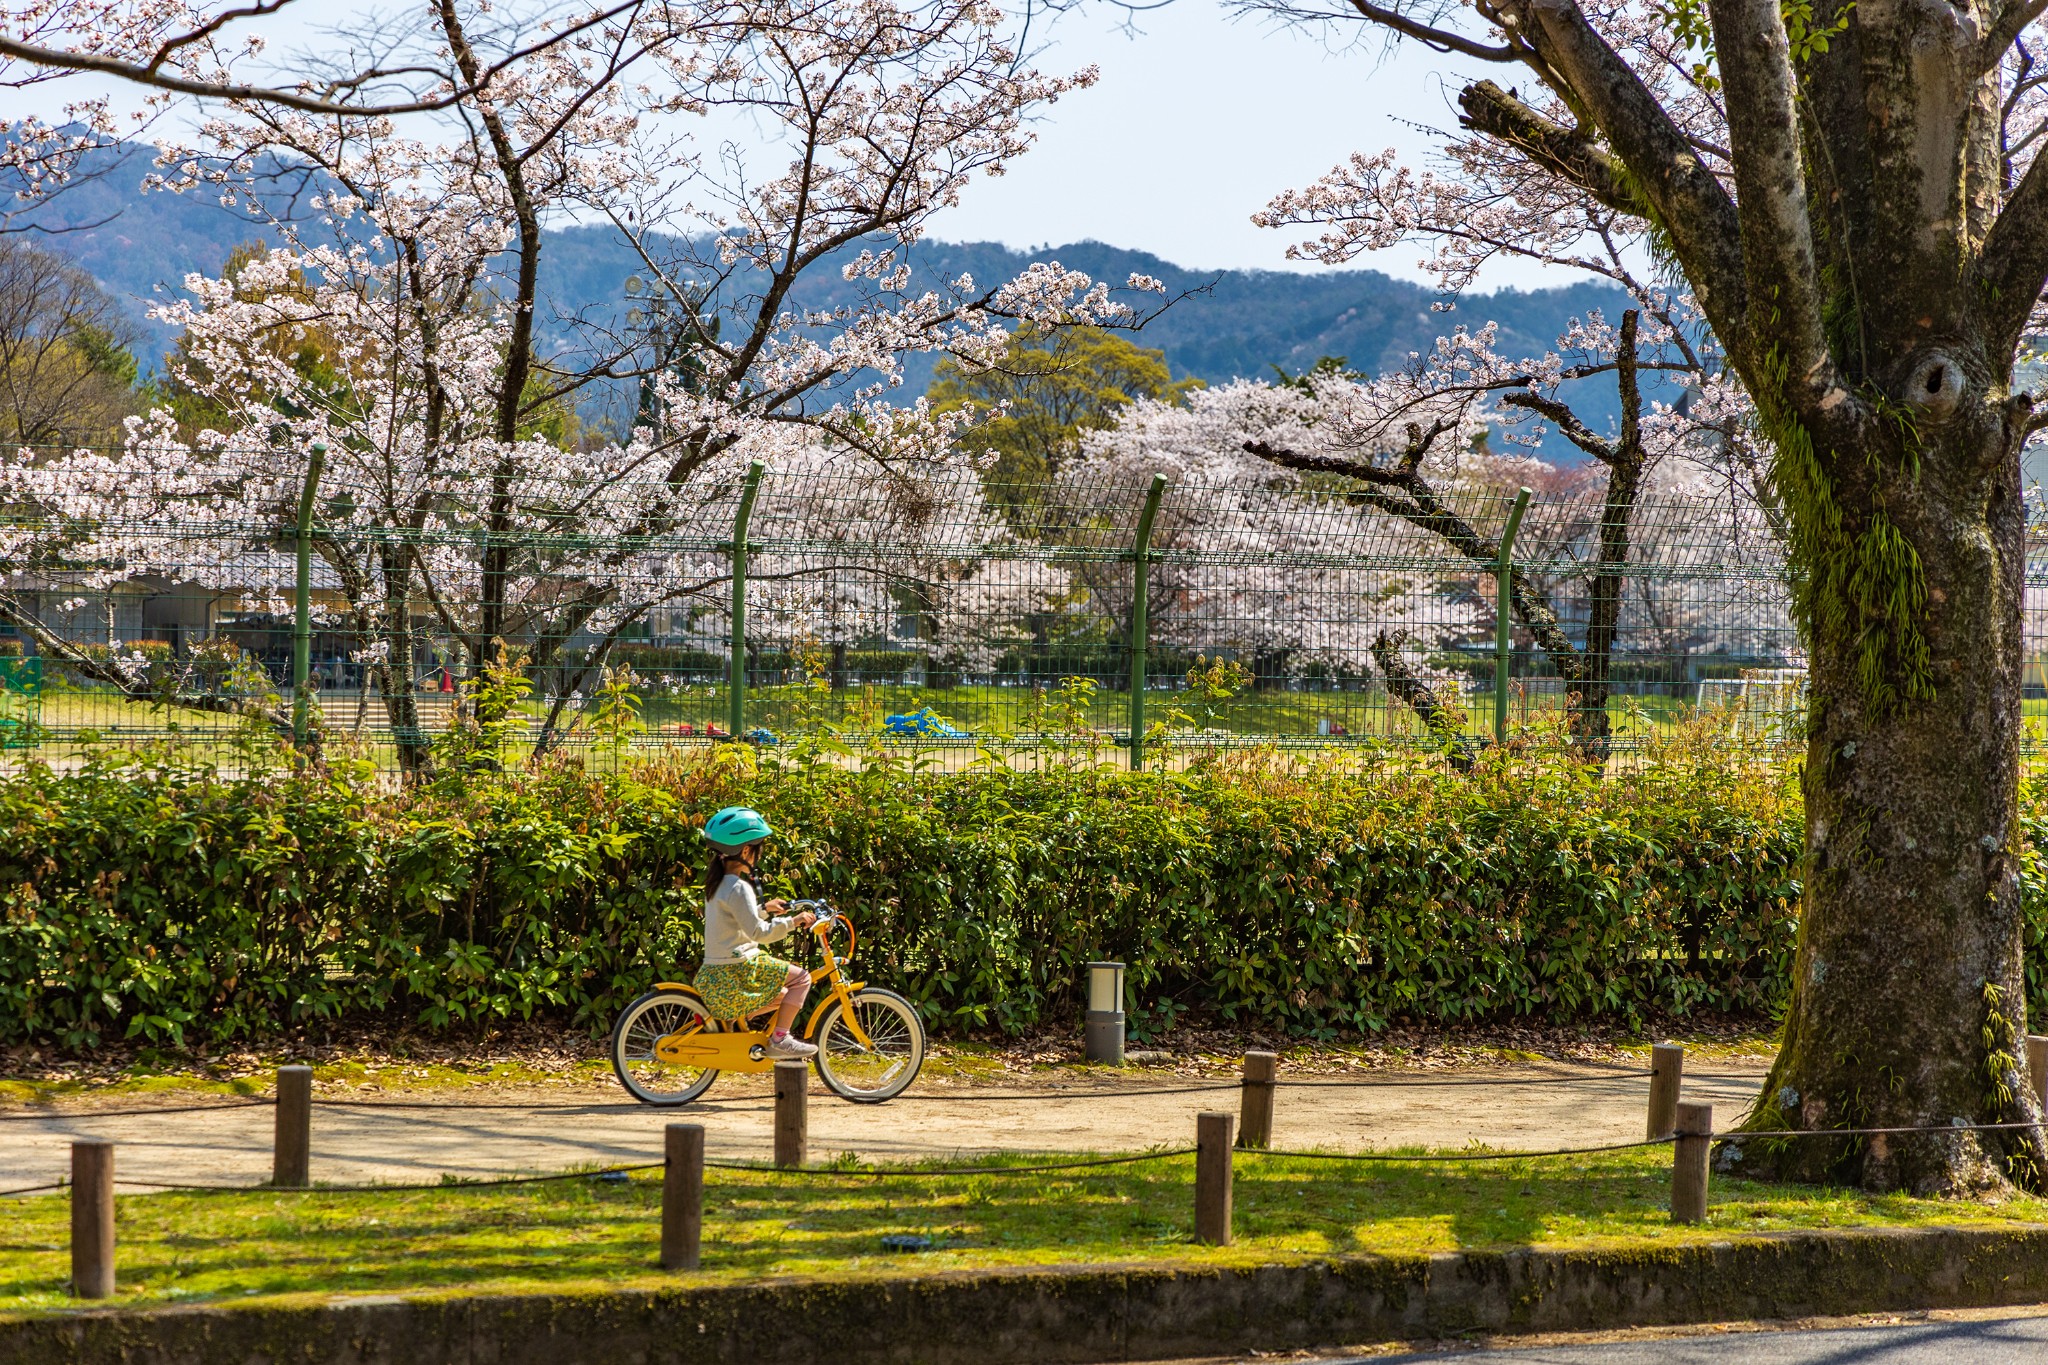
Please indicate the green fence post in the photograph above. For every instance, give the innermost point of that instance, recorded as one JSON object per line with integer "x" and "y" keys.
{"x": 1141, "y": 579}
{"x": 738, "y": 675}
{"x": 1502, "y": 569}
{"x": 302, "y": 606}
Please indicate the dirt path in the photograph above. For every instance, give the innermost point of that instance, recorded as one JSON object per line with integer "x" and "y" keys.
{"x": 453, "y": 1133}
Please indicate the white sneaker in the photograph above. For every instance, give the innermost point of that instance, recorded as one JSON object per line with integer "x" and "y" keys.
{"x": 790, "y": 1048}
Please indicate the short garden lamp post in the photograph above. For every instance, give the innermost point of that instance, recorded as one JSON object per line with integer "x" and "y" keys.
{"x": 1104, "y": 1029}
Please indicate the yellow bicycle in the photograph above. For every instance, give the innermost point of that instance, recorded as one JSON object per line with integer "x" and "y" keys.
{"x": 667, "y": 1049}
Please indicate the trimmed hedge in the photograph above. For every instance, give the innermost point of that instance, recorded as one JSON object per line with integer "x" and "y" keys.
{"x": 148, "y": 900}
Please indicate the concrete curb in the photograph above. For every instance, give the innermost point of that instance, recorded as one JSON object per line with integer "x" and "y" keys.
{"x": 1082, "y": 1315}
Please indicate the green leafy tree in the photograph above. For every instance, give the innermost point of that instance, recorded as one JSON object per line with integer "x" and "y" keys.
{"x": 1044, "y": 391}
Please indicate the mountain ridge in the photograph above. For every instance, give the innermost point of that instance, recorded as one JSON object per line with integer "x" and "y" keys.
{"x": 1234, "y": 323}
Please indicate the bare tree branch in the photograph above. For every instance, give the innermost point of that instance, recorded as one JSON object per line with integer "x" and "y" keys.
{"x": 2012, "y": 21}
{"x": 2013, "y": 267}
{"x": 1770, "y": 182}
{"x": 1443, "y": 40}
{"x": 1684, "y": 196}
{"x": 1566, "y": 152}
{"x": 50, "y": 644}
{"x": 1566, "y": 421}
{"x": 1445, "y": 723}
{"x": 212, "y": 26}
{"x": 148, "y": 73}
{"x": 1425, "y": 510}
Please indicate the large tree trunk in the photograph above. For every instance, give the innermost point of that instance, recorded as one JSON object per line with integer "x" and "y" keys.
{"x": 1869, "y": 239}
{"x": 1899, "y": 452}
{"x": 1908, "y": 1007}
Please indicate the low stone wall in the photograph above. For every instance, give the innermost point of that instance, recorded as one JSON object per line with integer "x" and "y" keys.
{"x": 1079, "y": 1315}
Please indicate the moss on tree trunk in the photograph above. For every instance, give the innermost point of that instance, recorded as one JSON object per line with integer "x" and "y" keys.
{"x": 1908, "y": 998}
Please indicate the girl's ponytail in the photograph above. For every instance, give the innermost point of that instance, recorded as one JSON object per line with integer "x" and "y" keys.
{"x": 717, "y": 871}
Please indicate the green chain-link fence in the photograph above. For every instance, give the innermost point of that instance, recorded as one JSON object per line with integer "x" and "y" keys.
{"x": 1148, "y": 618}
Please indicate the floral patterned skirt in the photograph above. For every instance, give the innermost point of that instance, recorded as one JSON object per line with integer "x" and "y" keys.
{"x": 733, "y": 990}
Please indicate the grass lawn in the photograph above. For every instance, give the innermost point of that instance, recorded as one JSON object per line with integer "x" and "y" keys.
{"x": 72, "y": 721}
{"x": 589, "y": 1233}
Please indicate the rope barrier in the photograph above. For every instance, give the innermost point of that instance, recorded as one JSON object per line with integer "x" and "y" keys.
{"x": 1424, "y": 1085}
{"x": 456, "y": 1184}
{"x": 873, "y": 1173}
{"x": 866, "y": 1173}
{"x": 893, "y": 1173}
{"x": 1454, "y": 1156}
{"x": 1081, "y": 1094}
{"x": 535, "y": 1105}
{"x": 877, "y": 1172}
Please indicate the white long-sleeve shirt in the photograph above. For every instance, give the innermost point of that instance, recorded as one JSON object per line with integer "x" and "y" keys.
{"x": 733, "y": 927}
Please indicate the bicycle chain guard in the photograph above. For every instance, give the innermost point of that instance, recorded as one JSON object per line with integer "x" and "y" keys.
{"x": 714, "y": 1051}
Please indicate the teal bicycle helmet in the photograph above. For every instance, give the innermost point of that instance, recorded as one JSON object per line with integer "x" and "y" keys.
{"x": 734, "y": 828}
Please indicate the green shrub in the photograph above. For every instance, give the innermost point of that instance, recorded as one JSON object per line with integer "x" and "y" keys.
{"x": 143, "y": 899}
{"x": 669, "y": 659}
{"x": 881, "y": 663}
{"x": 153, "y": 903}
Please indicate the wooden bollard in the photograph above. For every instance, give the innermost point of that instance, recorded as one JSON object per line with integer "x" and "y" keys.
{"x": 1689, "y": 1163}
{"x": 1667, "y": 1074}
{"x": 682, "y": 1197}
{"x": 792, "y": 1126}
{"x": 291, "y": 1153}
{"x": 92, "y": 1218}
{"x": 2037, "y": 1067}
{"x": 1212, "y": 1178}
{"x": 1255, "y": 1106}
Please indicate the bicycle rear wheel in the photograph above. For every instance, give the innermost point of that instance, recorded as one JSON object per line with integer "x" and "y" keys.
{"x": 646, "y": 1022}
{"x": 870, "y": 1074}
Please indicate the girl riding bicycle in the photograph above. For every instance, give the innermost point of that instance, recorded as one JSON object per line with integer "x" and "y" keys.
{"x": 737, "y": 978}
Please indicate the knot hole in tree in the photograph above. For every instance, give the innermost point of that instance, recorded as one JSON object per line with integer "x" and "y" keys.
{"x": 1934, "y": 384}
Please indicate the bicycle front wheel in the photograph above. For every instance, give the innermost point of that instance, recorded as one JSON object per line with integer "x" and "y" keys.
{"x": 884, "y": 1066}
{"x": 646, "y": 1022}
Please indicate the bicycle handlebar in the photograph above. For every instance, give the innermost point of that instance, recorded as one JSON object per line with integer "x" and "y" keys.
{"x": 823, "y": 910}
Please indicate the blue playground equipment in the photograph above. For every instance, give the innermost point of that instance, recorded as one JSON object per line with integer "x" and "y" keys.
{"x": 925, "y": 724}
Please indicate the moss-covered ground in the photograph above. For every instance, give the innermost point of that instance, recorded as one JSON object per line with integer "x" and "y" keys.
{"x": 591, "y": 1232}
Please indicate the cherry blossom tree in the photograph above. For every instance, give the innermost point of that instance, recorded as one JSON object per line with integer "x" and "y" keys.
{"x": 847, "y": 555}
{"x": 1492, "y": 197}
{"x": 1252, "y": 559}
{"x": 1852, "y": 196}
{"x": 1404, "y": 452}
{"x": 1400, "y": 440}
{"x": 421, "y": 273}
{"x": 81, "y": 56}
